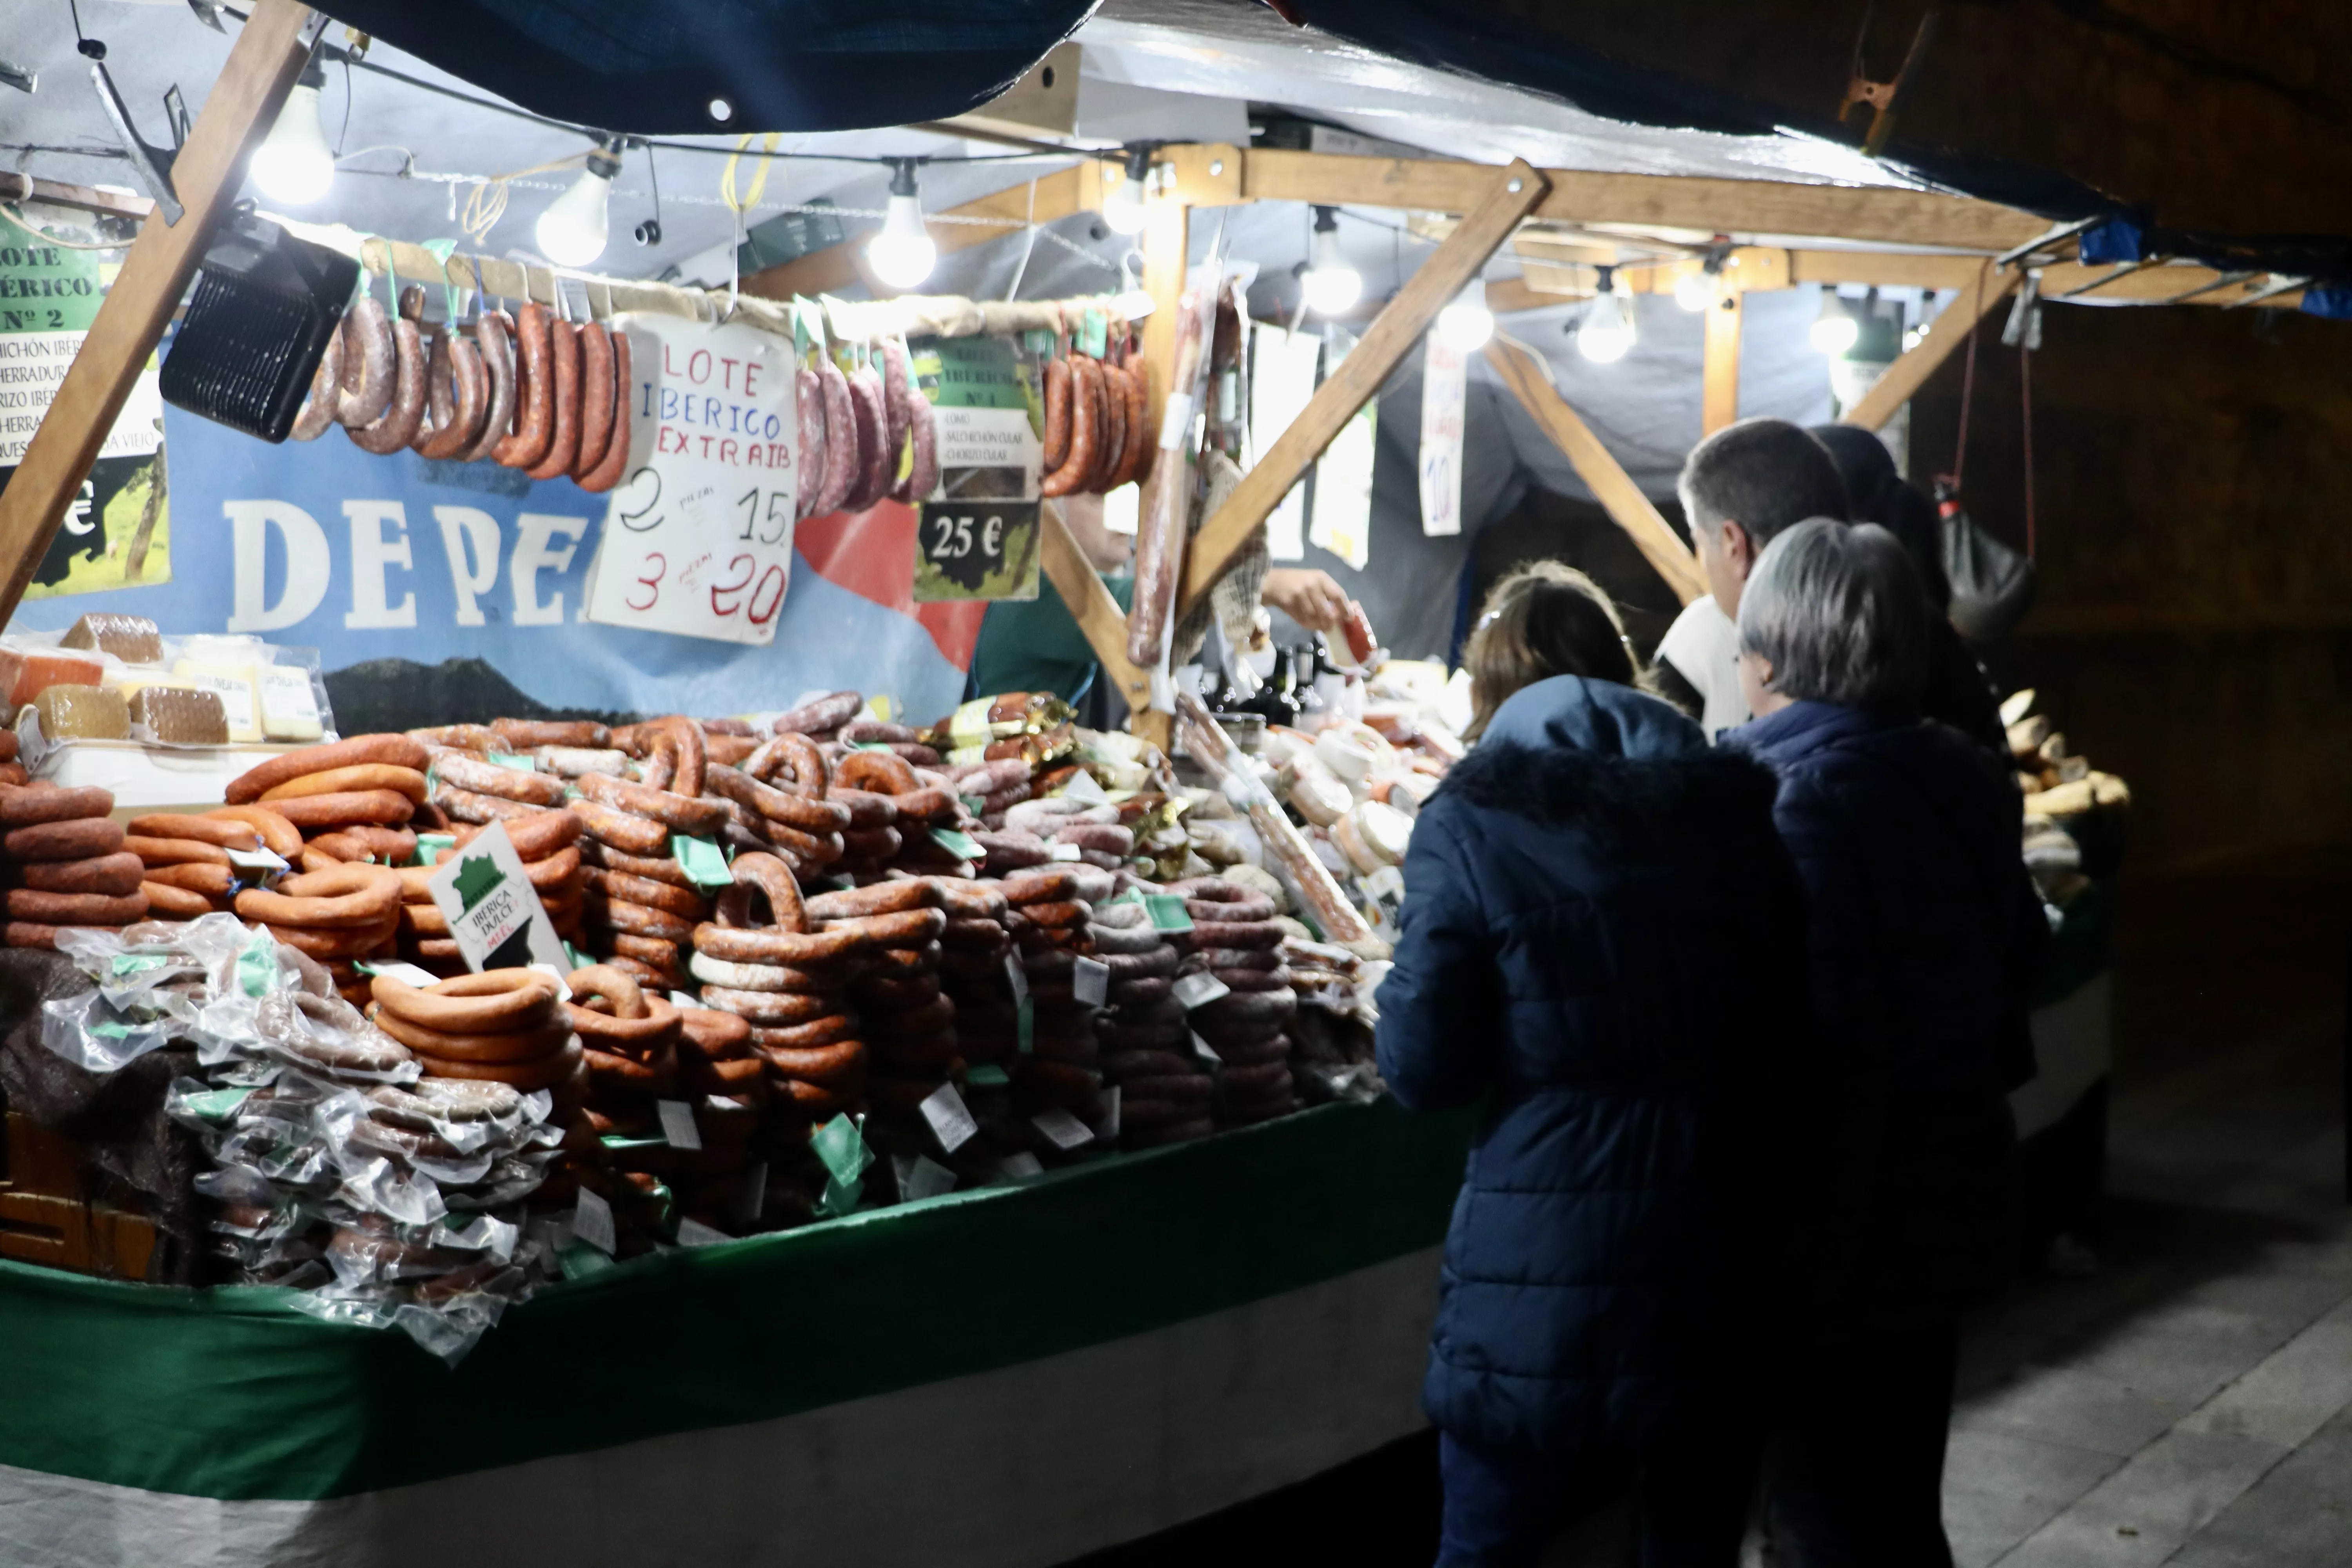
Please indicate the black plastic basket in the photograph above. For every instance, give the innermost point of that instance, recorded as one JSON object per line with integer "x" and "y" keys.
{"x": 265, "y": 306}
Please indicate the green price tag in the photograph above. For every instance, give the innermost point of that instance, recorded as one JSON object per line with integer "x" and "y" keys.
{"x": 973, "y": 803}
{"x": 869, "y": 746}
{"x": 1039, "y": 341}
{"x": 136, "y": 963}
{"x": 1094, "y": 333}
{"x": 1126, "y": 896}
{"x": 1166, "y": 911}
{"x": 217, "y": 1104}
{"x": 573, "y": 956}
{"x": 987, "y": 1075}
{"x": 256, "y": 966}
{"x": 431, "y": 846}
{"x": 579, "y": 1261}
{"x": 960, "y": 844}
{"x": 510, "y": 760}
{"x": 111, "y": 1031}
{"x": 1024, "y": 1023}
{"x": 616, "y": 1140}
{"x": 841, "y": 1151}
{"x": 839, "y": 1198}
{"x": 701, "y": 860}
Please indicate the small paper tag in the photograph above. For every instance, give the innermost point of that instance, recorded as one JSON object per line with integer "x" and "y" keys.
{"x": 406, "y": 974}
{"x": 1090, "y": 982}
{"x": 920, "y": 1177}
{"x": 680, "y": 999}
{"x": 752, "y": 1197}
{"x": 1201, "y": 1048}
{"x": 1199, "y": 990}
{"x": 1017, "y": 977}
{"x": 678, "y": 1123}
{"x": 269, "y": 862}
{"x": 1163, "y": 691}
{"x": 974, "y": 803}
{"x": 592, "y": 1222}
{"x": 1106, "y": 1129}
{"x": 1093, "y": 336}
{"x": 693, "y": 1232}
{"x": 511, "y": 760}
{"x": 139, "y": 963}
{"x": 1020, "y": 1166}
{"x": 960, "y": 844}
{"x": 562, "y": 977}
{"x": 1066, "y": 1130}
{"x": 1062, "y": 852}
{"x": 256, "y": 965}
{"x": 1083, "y": 789}
{"x": 950, "y": 1122}
{"x": 578, "y": 1262}
{"x": 1166, "y": 911}
{"x": 987, "y": 1075}
{"x": 1024, "y": 1026}
{"x": 431, "y": 846}
{"x": 704, "y": 863}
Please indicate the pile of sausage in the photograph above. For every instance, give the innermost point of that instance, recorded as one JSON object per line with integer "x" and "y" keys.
{"x": 856, "y": 430}
{"x": 1095, "y": 436}
{"x": 525, "y": 391}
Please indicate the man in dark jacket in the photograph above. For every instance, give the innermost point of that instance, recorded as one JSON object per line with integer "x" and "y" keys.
{"x": 1925, "y": 936}
{"x": 1739, "y": 487}
{"x": 1619, "y": 1267}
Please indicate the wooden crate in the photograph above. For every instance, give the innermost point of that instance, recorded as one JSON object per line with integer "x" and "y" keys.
{"x": 47, "y": 1215}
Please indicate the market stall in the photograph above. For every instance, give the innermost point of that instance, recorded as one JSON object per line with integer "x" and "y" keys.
{"x": 892, "y": 1087}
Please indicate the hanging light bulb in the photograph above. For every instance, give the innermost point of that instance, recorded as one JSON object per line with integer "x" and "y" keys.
{"x": 903, "y": 254}
{"x": 1694, "y": 292}
{"x": 1606, "y": 334}
{"x": 1835, "y": 329}
{"x": 1332, "y": 286}
{"x": 294, "y": 165}
{"x": 1124, "y": 209}
{"x": 1466, "y": 323}
{"x": 572, "y": 230}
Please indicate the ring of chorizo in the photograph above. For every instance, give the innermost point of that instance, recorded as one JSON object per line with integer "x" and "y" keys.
{"x": 399, "y": 751}
{"x": 496, "y": 1000}
{"x": 351, "y": 894}
{"x": 791, "y": 950}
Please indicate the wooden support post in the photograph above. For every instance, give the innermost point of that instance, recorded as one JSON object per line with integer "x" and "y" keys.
{"x": 238, "y": 111}
{"x": 1091, "y": 606}
{"x": 1652, "y": 535}
{"x": 1720, "y": 394}
{"x": 1911, "y": 370}
{"x": 1512, "y": 193}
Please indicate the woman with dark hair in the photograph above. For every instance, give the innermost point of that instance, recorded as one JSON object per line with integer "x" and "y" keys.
{"x": 1620, "y": 1269}
{"x": 1926, "y": 941}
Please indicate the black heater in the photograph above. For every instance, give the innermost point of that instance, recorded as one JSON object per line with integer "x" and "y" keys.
{"x": 265, "y": 306}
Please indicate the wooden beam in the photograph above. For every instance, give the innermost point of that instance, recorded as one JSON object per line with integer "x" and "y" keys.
{"x": 238, "y": 111}
{"x": 1090, "y": 604}
{"x": 1719, "y": 384}
{"x": 1674, "y": 200}
{"x": 1510, "y": 193}
{"x": 15, "y": 187}
{"x": 1060, "y": 193}
{"x": 1944, "y": 335}
{"x": 1652, "y": 535}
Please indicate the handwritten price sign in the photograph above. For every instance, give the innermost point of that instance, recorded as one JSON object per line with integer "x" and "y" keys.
{"x": 699, "y": 538}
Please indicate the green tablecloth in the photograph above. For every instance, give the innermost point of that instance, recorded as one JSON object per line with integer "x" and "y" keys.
{"x": 231, "y": 1393}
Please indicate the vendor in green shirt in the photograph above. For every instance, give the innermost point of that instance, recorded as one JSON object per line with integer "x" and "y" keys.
{"x": 1036, "y": 645}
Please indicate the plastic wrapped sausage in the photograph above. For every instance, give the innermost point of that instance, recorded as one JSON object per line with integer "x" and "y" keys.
{"x": 1168, "y": 502}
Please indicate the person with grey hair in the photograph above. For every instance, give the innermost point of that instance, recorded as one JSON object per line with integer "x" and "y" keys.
{"x": 1925, "y": 938}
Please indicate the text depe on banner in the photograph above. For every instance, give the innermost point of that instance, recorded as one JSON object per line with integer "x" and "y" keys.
{"x": 697, "y": 537}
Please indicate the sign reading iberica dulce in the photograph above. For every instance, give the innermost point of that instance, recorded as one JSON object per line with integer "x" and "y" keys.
{"x": 697, "y": 537}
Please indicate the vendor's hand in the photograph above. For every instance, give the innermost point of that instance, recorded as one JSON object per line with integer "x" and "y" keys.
{"x": 1311, "y": 598}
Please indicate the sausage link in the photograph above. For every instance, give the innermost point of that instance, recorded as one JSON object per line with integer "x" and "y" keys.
{"x": 898, "y": 416}
{"x": 494, "y": 338}
{"x": 596, "y": 399}
{"x": 456, "y": 433}
{"x": 534, "y": 390}
{"x": 397, "y": 425}
{"x": 1115, "y": 435}
{"x": 371, "y": 364}
{"x": 1159, "y": 540}
{"x": 607, "y": 473}
{"x": 873, "y": 420}
{"x": 924, "y": 477}
{"x": 317, "y": 410}
{"x": 808, "y": 407}
{"x": 840, "y": 439}
{"x": 563, "y": 397}
{"x": 1056, "y": 381}
{"x": 1140, "y": 442}
{"x": 1085, "y": 406}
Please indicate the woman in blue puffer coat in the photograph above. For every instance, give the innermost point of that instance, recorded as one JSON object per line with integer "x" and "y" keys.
{"x": 1603, "y": 941}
